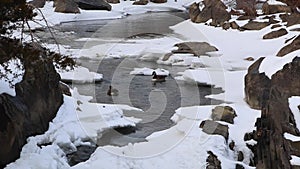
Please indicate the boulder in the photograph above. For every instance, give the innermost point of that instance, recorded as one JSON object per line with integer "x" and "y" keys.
{"x": 249, "y": 58}
{"x": 293, "y": 4}
{"x": 273, "y": 9}
{"x": 234, "y": 25}
{"x": 113, "y": 1}
{"x": 194, "y": 12}
{"x": 275, "y": 34}
{"x": 93, "y": 5}
{"x": 159, "y": 1}
{"x": 248, "y": 6}
{"x": 293, "y": 46}
{"x": 214, "y": 9}
{"x": 66, "y": 6}
{"x": 257, "y": 86}
{"x": 291, "y": 19}
{"x": 223, "y": 113}
{"x": 141, "y": 2}
{"x": 226, "y": 26}
{"x": 239, "y": 166}
{"x": 240, "y": 156}
{"x": 215, "y": 128}
{"x": 212, "y": 161}
{"x": 275, "y": 26}
{"x": 295, "y": 29}
{"x": 38, "y": 3}
{"x": 65, "y": 89}
{"x": 254, "y": 25}
{"x": 195, "y": 48}
{"x": 231, "y": 145}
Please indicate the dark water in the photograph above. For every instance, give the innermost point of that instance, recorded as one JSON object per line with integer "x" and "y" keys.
{"x": 130, "y": 26}
{"x": 158, "y": 101}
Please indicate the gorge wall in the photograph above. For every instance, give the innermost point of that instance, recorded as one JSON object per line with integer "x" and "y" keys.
{"x": 38, "y": 98}
{"x": 271, "y": 96}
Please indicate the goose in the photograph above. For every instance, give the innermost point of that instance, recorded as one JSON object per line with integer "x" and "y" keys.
{"x": 158, "y": 78}
{"x": 112, "y": 92}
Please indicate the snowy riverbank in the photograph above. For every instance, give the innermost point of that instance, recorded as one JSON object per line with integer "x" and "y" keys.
{"x": 184, "y": 145}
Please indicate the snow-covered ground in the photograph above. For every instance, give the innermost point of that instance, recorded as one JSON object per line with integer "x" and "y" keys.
{"x": 77, "y": 122}
{"x": 148, "y": 71}
{"x": 80, "y": 75}
{"x": 184, "y": 145}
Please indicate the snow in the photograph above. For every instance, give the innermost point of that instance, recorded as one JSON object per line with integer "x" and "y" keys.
{"x": 182, "y": 60}
{"x": 148, "y": 71}
{"x": 294, "y": 102}
{"x": 276, "y": 62}
{"x": 80, "y": 75}
{"x": 181, "y": 146}
{"x": 145, "y": 49}
{"x": 118, "y": 11}
{"x": 76, "y": 122}
{"x": 291, "y": 137}
{"x": 295, "y": 160}
{"x": 274, "y": 2}
{"x": 5, "y": 86}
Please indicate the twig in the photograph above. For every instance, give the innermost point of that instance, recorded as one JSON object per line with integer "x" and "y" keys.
{"x": 31, "y": 34}
{"x": 49, "y": 30}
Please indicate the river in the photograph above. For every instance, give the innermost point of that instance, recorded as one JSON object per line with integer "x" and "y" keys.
{"x": 158, "y": 101}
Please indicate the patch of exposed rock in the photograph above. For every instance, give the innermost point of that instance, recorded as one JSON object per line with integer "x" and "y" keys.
{"x": 254, "y": 25}
{"x": 158, "y": 1}
{"x": 113, "y": 1}
{"x": 93, "y": 5}
{"x": 273, "y": 9}
{"x": 38, "y": 3}
{"x": 141, "y": 2}
{"x": 195, "y": 48}
{"x": 213, "y": 9}
{"x": 248, "y": 6}
{"x": 66, "y": 6}
{"x": 293, "y": 46}
{"x": 223, "y": 113}
{"x": 215, "y": 128}
{"x": 291, "y": 19}
{"x": 212, "y": 161}
{"x": 275, "y": 34}
{"x": 257, "y": 86}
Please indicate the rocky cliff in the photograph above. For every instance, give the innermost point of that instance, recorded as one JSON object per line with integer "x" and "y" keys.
{"x": 38, "y": 98}
{"x": 271, "y": 96}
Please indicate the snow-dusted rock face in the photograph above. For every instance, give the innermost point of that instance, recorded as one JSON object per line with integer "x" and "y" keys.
{"x": 93, "y": 4}
{"x": 273, "y": 150}
{"x": 275, "y": 34}
{"x": 214, "y": 9}
{"x": 38, "y": 3}
{"x": 248, "y": 6}
{"x": 38, "y": 98}
{"x": 290, "y": 47}
{"x": 272, "y": 9}
{"x": 195, "y": 48}
{"x": 257, "y": 86}
{"x": 66, "y": 6}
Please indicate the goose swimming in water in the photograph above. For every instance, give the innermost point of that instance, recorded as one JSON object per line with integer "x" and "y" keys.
{"x": 158, "y": 78}
{"x": 112, "y": 92}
